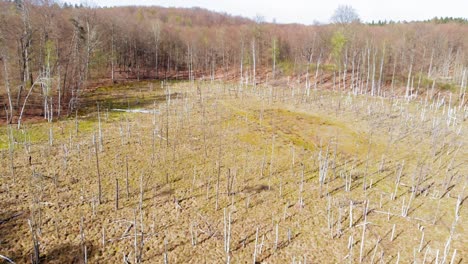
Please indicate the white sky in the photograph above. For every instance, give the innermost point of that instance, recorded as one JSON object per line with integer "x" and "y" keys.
{"x": 308, "y": 11}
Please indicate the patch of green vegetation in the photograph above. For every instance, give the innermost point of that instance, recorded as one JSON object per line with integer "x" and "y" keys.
{"x": 300, "y": 142}
{"x": 112, "y": 103}
{"x": 427, "y": 82}
{"x": 329, "y": 67}
{"x": 133, "y": 84}
{"x": 38, "y": 133}
{"x": 324, "y": 67}
{"x": 311, "y": 118}
{"x": 129, "y": 95}
{"x": 34, "y": 133}
{"x": 286, "y": 67}
{"x": 314, "y": 130}
{"x": 87, "y": 125}
{"x": 338, "y": 41}
{"x": 447, "y": 86}
{"x": 3, "y": 142}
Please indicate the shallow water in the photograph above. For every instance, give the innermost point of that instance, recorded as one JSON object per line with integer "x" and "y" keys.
{"x": 138, "y": 110}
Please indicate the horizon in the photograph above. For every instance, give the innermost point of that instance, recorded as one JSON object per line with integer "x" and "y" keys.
{"x": 304, "y": 12}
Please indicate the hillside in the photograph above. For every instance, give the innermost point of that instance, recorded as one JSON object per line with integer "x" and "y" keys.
{"x": 175, "y": 135}
{"x": 211, "y": 172}
{"x": 65, "y": 50}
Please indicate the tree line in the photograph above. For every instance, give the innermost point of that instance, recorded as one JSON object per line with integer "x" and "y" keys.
{"x": 51, "y": 53}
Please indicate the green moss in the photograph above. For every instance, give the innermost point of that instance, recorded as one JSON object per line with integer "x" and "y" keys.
{"x": 3, "y": 142}
{"x": 34, "y": 133}
{"x": 86, "y": 125}
{"x": 38, "y": 133}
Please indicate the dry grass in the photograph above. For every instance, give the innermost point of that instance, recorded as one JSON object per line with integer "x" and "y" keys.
{"x": 264, "y": 140}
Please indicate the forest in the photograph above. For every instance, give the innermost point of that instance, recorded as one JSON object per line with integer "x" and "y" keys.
{"x": 67, "y": 49}
{"x": 146, "y": 134}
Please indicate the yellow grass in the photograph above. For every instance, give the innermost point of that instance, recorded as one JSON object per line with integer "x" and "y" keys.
{"x": 252, "y": 137}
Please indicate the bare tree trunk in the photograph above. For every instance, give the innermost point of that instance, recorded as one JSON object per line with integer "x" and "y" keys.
{"x": 317, "y": 71}
{"x": 25, "y": 101}
{"x": 373, "y": 74}
{"x": 409, "y": 79}
{"x": 241, "y": 63}
{"x": 368, "y": 70}
{"x": 274, "y": 58}
{"x": 429, "y": 71}
{"x": 393, "y": 75}
{"x": 4, "y": 56}
{"x": 156, "y": 31}
{"x": 309, "y": 61}
{"x": 112, "y": 54}
{"x": 25, "y": 43}
{"x": 379, "y": 89}
{"x": 97, "y": 169}
{"x": 254, "y": 80}
{"x": 188, "y": 63}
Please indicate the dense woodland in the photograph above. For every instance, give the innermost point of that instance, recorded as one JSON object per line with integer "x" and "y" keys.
{"x": 51, "y": 53}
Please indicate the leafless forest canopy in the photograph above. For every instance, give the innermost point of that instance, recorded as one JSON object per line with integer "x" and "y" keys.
{"x": 65, "y": 49}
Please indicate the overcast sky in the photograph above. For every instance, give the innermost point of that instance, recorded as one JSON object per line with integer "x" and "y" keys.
{"x": 308, "y": 11}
